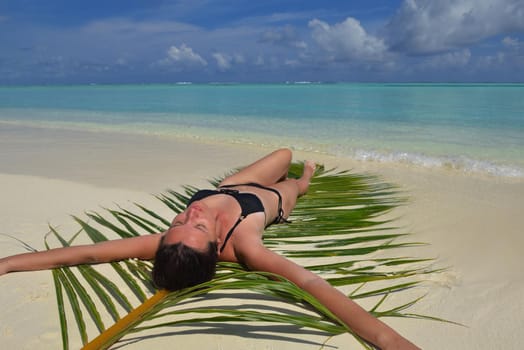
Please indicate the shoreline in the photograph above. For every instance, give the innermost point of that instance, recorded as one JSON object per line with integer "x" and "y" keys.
{"x": 148, "y": 144}
{"x": 472, "y": 225}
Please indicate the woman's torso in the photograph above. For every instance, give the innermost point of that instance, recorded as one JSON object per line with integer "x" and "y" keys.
{"x": 250, "y": 227}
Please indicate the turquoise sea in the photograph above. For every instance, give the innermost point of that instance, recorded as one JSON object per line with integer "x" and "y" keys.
{"x": 470, "y": 127}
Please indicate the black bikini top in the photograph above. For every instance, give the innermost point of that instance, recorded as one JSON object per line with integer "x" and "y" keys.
{"x": 249, "y": 204}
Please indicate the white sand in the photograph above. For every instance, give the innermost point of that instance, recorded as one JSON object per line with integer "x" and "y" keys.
{"x": 473, "y": 225}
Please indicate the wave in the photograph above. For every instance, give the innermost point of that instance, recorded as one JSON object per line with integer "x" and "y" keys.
{"x": 459, "y": 163}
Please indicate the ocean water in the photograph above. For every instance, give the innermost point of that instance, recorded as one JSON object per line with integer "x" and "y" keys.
{"x": 477, "y": 128}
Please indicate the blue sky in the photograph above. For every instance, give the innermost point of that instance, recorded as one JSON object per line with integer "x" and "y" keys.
{"x": 153, "y": 41}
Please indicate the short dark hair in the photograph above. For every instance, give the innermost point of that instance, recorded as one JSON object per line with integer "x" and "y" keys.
{"x": 178, "y": 266}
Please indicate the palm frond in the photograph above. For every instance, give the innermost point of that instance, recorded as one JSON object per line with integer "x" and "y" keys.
{"x": 343, "y": 216}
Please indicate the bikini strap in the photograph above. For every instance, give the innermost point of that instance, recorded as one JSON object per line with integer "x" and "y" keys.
{"x": 242, "y": 217}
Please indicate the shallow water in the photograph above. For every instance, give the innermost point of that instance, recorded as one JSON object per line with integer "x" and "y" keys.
{"x": 470, "y": 127}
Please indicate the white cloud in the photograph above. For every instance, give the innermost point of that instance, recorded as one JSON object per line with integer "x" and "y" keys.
{"x": 131, "y": 27}
{"x": 429, "y": 26}
{"x": 511, "y": 42}
{"x": 259, "y": 61}
{"x": 494, "y": 61}
{"x": 510, "y": 57}
{"x": 286, "y": 36}
{"x": 121, "y": 61}
{"x": 454, "y": 59}
{"x": 239, "y": 59}
{"x": 347, "y": 40}
{"x": 291, "y": 63}
{"x": 225, "y": 62}
{"x": 185, "y": 55}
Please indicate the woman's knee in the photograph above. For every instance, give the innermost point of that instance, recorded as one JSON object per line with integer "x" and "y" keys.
{"x": 285, "y": 152}
{"x": 283, "y": 156}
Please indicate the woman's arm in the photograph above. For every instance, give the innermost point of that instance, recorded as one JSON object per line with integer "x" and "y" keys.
{"x": 141, "y": 247}
{"x": 259, "y": 258}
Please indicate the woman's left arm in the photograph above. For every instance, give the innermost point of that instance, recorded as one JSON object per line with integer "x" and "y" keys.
{"x": 259, "y": 258}
{"x": 141, "y": 247}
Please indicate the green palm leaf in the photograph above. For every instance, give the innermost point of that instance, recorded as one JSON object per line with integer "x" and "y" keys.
{"x": 341, "y": 216}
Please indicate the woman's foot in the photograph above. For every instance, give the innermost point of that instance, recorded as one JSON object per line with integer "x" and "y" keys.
{"x": 305, "y": 179}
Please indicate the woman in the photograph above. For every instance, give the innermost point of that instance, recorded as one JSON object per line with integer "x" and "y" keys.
{"x": 225, "y": 224}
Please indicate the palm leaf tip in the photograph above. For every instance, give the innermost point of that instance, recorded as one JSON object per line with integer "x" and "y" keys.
{"x": 342, "y": 216}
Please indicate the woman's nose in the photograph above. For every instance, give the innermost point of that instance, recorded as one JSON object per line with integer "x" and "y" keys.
{"x": 192, "y": 213}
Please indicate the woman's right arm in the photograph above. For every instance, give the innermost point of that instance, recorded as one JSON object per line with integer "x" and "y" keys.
{"x": 259, "y": 258}
{"x": 141, "y": 247}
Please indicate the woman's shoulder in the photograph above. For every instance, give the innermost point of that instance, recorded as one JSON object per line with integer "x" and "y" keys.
{"x": 238, "y": 237}
{"x": 246, "y": 240}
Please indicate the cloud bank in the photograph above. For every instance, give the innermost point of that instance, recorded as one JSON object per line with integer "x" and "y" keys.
{"x": 427, "y": 26}
{"x": 472, "y": 40}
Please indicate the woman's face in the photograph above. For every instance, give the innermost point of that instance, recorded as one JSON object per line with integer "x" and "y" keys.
{"x": 194, "y": 227}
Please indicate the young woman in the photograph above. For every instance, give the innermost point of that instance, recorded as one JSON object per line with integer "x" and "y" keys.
{"x": 225, "y": 224}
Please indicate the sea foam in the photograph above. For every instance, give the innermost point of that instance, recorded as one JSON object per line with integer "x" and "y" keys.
{"x": 460, "y": 163}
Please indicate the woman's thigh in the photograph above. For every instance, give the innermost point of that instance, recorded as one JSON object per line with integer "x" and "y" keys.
{"x": 289, "y": 191}
{"x": 266, "y": 171}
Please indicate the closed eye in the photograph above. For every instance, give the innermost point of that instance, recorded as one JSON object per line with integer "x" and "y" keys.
{"x": 201, "y": 227}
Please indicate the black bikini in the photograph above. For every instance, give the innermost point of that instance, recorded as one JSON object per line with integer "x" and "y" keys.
{"x": 249, "y": 203}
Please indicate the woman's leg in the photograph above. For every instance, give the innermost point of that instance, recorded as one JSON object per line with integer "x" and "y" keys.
{"x": 266, "y": 171}
{"x": 291, "y": 189}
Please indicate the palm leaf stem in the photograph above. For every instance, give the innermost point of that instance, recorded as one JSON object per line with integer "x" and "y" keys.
{"x": 113, "y": 333}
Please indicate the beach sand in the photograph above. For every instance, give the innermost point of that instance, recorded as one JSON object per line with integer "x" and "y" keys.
{"x": 473, "y": 226}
